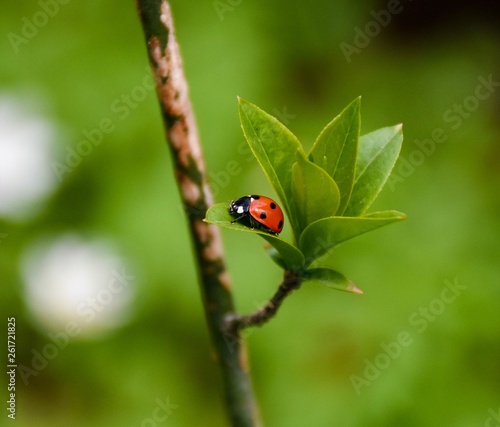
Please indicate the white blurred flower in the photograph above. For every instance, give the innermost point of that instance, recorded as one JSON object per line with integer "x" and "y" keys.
{"x": 69, "y": 280}
{"x": 26, "y": 146}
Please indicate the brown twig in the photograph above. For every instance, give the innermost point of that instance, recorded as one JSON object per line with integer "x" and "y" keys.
{"x": 235, "y": 324}
{"x": 182, "y": 138}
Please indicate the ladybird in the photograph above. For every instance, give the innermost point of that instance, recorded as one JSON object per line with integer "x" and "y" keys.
{"x": 258, "y": 211}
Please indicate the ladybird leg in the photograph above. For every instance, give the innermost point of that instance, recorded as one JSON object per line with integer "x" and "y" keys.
{"x": 273, "y": 233}
{"x": 237, "y": 219}
{"x": 252, "y": 223}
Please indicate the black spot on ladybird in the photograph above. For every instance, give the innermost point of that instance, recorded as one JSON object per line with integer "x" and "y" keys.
{"x": 273, "y": 205}
{"x": 280, "y": 225}
{"x": 263, "y": 215}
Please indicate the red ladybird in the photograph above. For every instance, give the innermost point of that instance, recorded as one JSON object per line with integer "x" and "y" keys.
{"x": 258, "y": 211}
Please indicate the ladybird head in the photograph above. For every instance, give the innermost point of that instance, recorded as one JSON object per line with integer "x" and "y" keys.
{"x": 239, "y": 206}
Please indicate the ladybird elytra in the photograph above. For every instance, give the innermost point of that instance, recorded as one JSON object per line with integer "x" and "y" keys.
{"x": 258, "y": 211}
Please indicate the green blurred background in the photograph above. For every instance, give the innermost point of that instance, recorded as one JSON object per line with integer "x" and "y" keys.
{"x": 69, "y": 68}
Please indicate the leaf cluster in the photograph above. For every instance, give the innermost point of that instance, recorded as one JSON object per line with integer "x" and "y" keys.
{"x": 325, "y": 193}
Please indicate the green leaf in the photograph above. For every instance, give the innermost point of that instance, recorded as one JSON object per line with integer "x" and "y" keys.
{"x": 331, "y": 278}
{"x": 315, "y": 194}
{"x": 275, "y": 256}
{"x": 336, "y": 148}
{"x": 292, "y": 258}
{"x": 377, "y": 154}
{"x": 275, "y": 148}
{"x": 323, "y": 235}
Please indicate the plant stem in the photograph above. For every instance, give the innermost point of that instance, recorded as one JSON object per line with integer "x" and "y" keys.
{"x": 235, "y": 324}
{"x": 182, "y": 138}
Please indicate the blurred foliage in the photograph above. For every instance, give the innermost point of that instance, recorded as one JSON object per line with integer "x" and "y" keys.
{"x": 87, "y": 63}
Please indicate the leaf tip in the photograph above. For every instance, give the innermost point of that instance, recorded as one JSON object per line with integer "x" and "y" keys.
{"x": 351, "y": 287}
{"x": 241, "y": 101}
